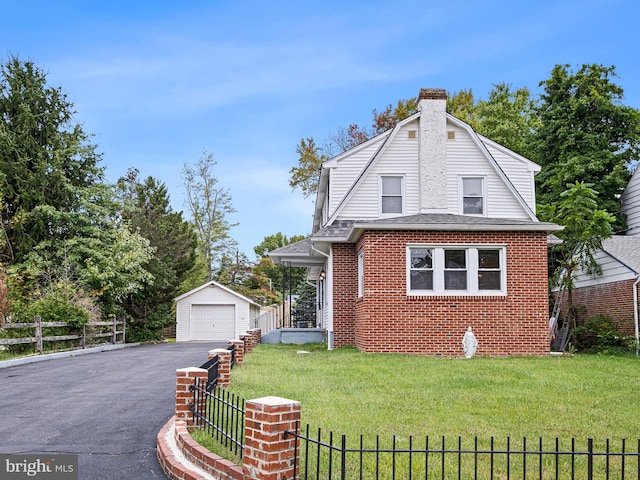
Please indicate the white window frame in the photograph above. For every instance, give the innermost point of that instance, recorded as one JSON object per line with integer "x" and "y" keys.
{"x": 472, "y": 269}
{"x": 402, "y": 194}
{"x": 461, "y": 180}
{"x": 361, "y": 272}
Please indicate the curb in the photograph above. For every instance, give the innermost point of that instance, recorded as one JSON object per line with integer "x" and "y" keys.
{"x": 71, "y": 353}
{"x": 182, "y": 458}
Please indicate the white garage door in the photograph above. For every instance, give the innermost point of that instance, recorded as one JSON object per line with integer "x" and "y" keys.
{"x": 213, "y": 322}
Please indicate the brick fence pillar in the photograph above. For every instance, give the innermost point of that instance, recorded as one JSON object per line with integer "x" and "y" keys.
{"x": 256, "y": 333}
{"x": 239, "y": 344}
{"x": 248, "y": 343}
{"x": 224, "y": 365}
{"x": 267, "y": 454}
{"x": 185, "y": 377}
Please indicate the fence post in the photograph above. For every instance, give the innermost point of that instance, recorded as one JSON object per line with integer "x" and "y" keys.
{"x": 124, "y": 329}
{"x": 256, "y": 336}
{"x": 239, "y": 344}
{"x": 185, "y": 377}
{"x": 267, "y": 455}
{"x": 37, "y": 320}
{"x": 114, "y": 330}
{"x": 224, "y": 365}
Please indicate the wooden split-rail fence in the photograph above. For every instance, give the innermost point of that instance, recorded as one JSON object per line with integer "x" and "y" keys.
{"x": 113, "y": 329}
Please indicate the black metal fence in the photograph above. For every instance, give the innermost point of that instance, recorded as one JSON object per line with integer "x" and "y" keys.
{"x": 220, "y": 414}
{"x": 211, "y": 366}
{"x": 331, "y": 457}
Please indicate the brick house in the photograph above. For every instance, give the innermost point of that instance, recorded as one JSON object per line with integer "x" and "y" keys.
{"x": 615, "y": 291}
{"x": 423, "y": 231}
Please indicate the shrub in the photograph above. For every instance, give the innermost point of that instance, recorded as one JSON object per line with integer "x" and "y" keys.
{"x": 600, "y": 335}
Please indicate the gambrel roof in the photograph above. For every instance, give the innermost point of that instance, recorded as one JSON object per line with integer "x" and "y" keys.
{"x": 385, "y": 139}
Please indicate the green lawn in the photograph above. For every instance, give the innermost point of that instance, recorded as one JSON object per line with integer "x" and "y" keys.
{"x": 353, "y": 393}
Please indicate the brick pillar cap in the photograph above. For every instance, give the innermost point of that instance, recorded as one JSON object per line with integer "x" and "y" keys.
{"x": 218, "y": 350}
{"x": 274, "y": 401}
{"x": 191, "y": 370}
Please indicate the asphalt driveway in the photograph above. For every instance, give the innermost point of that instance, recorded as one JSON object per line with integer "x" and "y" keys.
{"x": 106, "y": 407}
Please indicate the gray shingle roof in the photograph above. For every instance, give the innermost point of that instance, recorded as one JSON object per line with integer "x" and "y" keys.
{"x": 297, "y": 248}
{"x": 431, "y": 221}
{"x": 625, "y": 249}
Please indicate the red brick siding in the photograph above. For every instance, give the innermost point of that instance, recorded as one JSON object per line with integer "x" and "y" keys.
{"x": 387, "y": 320}
{"x": 613, "y": 300}
{"x": 345, "y": 292}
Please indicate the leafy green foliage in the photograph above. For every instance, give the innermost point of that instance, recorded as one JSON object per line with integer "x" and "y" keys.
{"x": 600, "y": 335}
{"x": 586, "y": 135}
{"x": 509, "y": 118}
{"x": 586, "y": 226}
{"x": 462, "y": 105}
{"x": 48, "y": 165}
{"x": 307, "y": 174}
{"x": 147, "y": 210}
{"x": 391, "y": 116}
{"x": 265, "y": 265}
{"x": 56, "y": 308}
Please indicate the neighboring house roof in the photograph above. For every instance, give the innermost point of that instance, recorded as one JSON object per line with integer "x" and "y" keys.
{"x": 213, "y": 283}
{"x": 625, "y": 249}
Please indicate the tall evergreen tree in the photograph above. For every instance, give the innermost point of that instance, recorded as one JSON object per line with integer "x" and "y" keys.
{"x": 48, "y": 167}
{"x": 147, "y": 211}
{"x": 586, "y": 135}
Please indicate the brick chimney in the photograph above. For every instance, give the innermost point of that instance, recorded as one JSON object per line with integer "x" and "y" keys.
{"x": 432, "y": 150}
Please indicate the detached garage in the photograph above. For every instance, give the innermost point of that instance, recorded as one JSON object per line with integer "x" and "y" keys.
{"x": 213, "y": 312}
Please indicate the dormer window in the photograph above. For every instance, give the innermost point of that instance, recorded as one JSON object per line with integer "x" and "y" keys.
{"x": 473, "y": 195}
{"x": 391, "y": 197}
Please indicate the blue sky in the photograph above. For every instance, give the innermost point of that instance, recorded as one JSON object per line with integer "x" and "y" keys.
{"x": 159, "y": 82}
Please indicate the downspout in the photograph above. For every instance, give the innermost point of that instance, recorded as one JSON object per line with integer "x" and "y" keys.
{"x": 635, "y": 312}
{"x": 318, "y": 251}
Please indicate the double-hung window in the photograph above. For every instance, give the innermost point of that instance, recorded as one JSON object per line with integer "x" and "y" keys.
{"x": 473, "y": 197}
{"x": 456, "y": 270}
{"x": 391, "y": 196}
{"x": 421, "y": 268}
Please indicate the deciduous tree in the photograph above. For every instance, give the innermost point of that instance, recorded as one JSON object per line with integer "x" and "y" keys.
{"x": 586, "y": 226}
{"x": 209, "y": 204}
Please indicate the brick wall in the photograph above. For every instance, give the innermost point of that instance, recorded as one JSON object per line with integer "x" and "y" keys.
{"x": 345, "y": 292}
{"x": 387, "y": 320}
{"x": 613, "y": 300}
